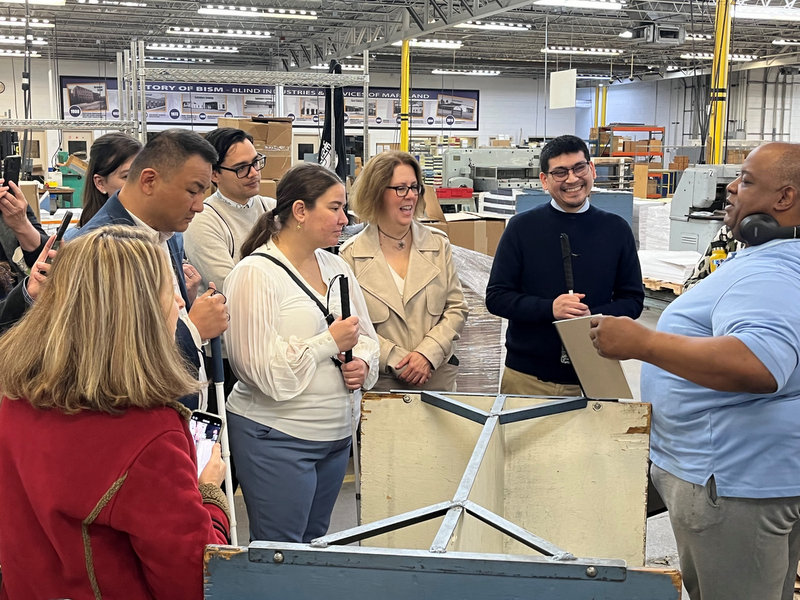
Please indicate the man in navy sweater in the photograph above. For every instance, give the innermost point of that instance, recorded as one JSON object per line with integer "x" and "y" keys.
{"x": 528, "y": 286}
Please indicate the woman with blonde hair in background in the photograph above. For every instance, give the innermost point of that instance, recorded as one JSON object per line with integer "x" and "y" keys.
{"x": 406, "y": 272}
{"x": 98, "y": 478}
{"x": 292, "y": 412}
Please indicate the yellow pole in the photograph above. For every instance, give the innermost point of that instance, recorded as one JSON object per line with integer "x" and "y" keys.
{"x": 405, "y": 104}
{"x": 603, "y": 111}
{"x": 719, "y": 81}
{"x": 596, "y": 104}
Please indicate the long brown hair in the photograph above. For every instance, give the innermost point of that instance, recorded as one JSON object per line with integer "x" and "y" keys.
{"x": 367, "y": 194}
{"x": 306, "y": 182}
{"x": 97, "y": 336}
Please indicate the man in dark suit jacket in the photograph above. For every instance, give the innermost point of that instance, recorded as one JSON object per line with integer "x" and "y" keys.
{"x": 165, "y": 188}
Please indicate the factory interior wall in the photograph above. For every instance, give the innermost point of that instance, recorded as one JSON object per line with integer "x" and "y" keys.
{"x": 512, "y": 107}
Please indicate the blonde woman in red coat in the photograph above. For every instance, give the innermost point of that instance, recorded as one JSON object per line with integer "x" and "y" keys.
{"x": 99, "y": 492}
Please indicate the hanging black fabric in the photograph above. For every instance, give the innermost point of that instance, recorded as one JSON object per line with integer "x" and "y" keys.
{"x": 331, "y": 151}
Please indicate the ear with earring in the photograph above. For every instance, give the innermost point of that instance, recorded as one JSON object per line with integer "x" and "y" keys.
{"x": 299, "y": 226}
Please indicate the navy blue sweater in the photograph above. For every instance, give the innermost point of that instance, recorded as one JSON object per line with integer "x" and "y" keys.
{"x": 528, "y": 274}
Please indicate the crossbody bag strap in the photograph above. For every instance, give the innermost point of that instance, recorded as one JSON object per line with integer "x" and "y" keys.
{"x": 329, "y": 318}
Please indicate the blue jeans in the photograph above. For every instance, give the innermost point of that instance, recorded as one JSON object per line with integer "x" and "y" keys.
{"x": 289, "y": 485}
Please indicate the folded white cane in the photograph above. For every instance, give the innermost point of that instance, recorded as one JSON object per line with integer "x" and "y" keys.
{"x": 219, "y": 387}
{"x": 344, "y": 293}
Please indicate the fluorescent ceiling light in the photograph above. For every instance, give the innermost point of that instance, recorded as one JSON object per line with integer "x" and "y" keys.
{"x": 588, "y": 4}
{"x": 478, "y": 72}
{"x": 114, "y": 3}
{"x": 21, "y": 22}
{"x": 177, "y": 59}
{"x": 20, "y": 53}
{"x": 247, "y": 11}
{"x": 344, "y": 67}
{"x": 593, "y": 77}
{"x": 699, "y": 37}
{"x": 786, "y": 42}
{"x": 42, "y": 2}
{"x": 19, "y": 40}
{"x": 576, "y": 50}
{"x": 192, "y": 48}
{"x": 710, "y": 56}
{"x": 433, "y": 43}
{"x": 495, "y": 26}
{"x": 627, "y": 34}
{"x": 766, "y": 13}
{"x": 213, "y": 32}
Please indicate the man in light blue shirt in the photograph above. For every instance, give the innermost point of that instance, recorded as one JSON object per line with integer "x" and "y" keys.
{"x": 724, "y": 381}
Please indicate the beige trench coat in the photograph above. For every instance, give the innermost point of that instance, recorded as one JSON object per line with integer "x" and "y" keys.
{"x": 430, "y": 315}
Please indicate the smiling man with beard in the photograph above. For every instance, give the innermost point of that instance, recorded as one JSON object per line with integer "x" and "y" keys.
{"x": 528, "y": 285}
{"x": 722, "y": 373}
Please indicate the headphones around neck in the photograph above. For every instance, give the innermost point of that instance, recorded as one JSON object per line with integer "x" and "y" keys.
{"x": 759, "y": 228}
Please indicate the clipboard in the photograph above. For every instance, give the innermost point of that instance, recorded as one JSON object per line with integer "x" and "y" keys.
{"x": 600, "y": 377}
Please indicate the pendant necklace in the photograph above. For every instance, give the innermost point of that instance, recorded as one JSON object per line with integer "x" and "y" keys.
{"x": 401, "y": 244}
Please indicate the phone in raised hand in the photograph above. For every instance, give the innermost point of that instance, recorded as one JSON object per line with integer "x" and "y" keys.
{"x": 205, "y": 429}
{"x": 62, "y": 229}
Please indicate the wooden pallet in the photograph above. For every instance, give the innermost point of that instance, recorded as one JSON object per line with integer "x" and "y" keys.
{"x": 658, "y": 284}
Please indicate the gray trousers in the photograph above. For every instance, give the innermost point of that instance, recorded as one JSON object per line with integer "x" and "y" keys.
{"x": 732, "y": 548}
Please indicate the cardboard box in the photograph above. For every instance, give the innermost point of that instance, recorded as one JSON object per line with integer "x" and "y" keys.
{"x": 500, "y": 143}
{"x": 655, "y": 146}
{"x": 272, "y": 137}
{"x": 475, "y": 231}
{"x": 268, "y": 188}
{"x": 30, "y": 189}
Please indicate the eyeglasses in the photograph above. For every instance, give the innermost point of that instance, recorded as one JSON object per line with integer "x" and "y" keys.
{"x": 244, "y": 170}
{"x": 561, "y": 173}
{"x": 402, "y": 190}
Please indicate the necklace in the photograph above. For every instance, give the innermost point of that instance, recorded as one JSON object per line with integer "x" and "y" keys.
{"x": 401, "y": 244}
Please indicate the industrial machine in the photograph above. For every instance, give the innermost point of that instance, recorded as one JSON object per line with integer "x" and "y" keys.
{"x": 488, "y": 169}
{"x": 697, "y": 207}
{"x": 73, "y": 175}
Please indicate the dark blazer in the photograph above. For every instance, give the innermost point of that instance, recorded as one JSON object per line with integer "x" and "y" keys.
{"x": 113, "y": 213}
{"x": 9, "y": 243}
{"x": 13, "y": 306}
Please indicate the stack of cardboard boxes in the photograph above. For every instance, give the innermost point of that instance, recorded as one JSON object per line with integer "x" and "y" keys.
{"x": 272, "y": 137}
{"x": 679, "y": 163}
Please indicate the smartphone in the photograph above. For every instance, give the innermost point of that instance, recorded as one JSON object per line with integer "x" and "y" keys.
{"x": 62, "y": 229}
{"x": 205, "y": 429}
{"x": 11, "y": 168}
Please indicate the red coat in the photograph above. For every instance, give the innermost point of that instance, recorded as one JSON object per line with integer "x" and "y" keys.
{"x": 100, "y": 506}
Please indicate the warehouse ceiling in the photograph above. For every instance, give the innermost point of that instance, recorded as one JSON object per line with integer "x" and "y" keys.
{"x": 97, "y": 29}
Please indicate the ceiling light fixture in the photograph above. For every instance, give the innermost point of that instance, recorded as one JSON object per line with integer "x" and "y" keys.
{"x": 627, "y": 34}
{"x": 19, "y": 40}
{"x": 177, "y": 59}
{"x": 477, "y": 72}
{"x": 247, "y": 11}
{"x": 42, "y": 2}
{"x": 765, "y": 13}
{"x": 433, "y": 43}
{"x": 577, "y": 50}
{"x": 710, "y": 56}
{"x": 791, "y": 42}
{"x": 114, "y": 3}
{"x": 587, "y": 4}
{"x": 604, "y": 77}
{"x": 344, "y": 67}
{"x": 213, "y": 32}
{"x": 699, "y": 37}
{"x": 21, "y": 22}
{"x": 191, "y": 48}
{"x": 19, "y": 53}
{"x": 495, "y": 26}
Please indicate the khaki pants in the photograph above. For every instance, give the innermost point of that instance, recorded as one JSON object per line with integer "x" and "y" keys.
{"x": 522, "y": 384}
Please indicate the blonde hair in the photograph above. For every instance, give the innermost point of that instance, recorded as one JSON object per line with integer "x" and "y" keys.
{"x": 367, "y": 194}
{"x": 97, "y": 337}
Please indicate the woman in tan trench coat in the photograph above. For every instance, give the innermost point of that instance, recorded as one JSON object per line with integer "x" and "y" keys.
{"x": 407, "y": 274}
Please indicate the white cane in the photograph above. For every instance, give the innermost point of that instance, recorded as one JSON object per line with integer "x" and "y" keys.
{"x": 355, "y": 398}
{"x": 219, "y": 387}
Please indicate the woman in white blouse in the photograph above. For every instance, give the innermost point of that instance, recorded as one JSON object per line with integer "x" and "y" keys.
{"x": 292, "y": 413}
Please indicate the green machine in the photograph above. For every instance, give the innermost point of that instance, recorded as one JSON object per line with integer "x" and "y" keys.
{"x": 73, "y": 175}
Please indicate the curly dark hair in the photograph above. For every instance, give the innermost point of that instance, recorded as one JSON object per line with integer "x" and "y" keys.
{"x": 6, "y": 278}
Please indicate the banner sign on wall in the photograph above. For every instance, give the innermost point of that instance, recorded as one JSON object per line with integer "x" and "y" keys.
{"x": 204, "y": 103}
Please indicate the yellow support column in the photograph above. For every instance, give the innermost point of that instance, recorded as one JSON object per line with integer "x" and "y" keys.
{"x": 603, "y": 110}
{"x": 405, "y": 104}
{"x": 719, "y": 82}
{"x": 596, "y": 104}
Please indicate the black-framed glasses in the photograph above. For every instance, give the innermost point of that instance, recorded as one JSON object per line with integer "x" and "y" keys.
{"x": 402, "y": 190}
{"x": 561, "y": 173}
{"x": 244, "y": 170}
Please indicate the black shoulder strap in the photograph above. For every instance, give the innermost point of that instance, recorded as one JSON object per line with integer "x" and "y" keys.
{"x": 328, "y": 317}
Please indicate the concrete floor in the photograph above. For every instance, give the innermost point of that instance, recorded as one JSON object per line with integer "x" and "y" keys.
{"x": 660, "y": 550}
